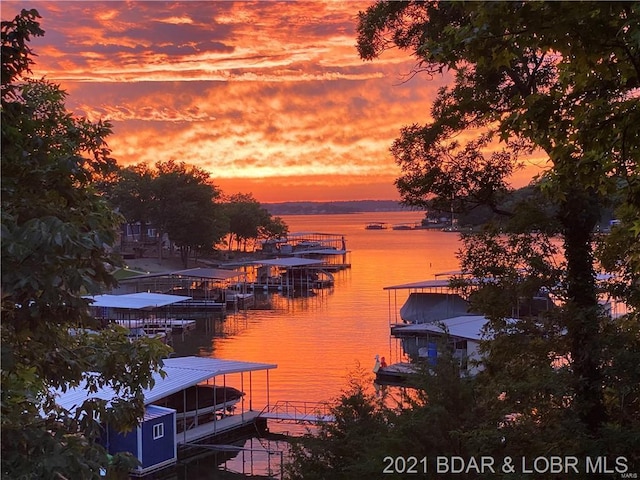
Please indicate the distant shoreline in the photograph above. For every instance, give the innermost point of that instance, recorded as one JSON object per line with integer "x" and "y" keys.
{"x": 335, "y": 207}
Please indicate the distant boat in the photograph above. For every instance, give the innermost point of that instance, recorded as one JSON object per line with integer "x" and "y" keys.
{"x": 376, "y": 226}
{"x": 404, "y": 226}
{"x": 397, "y": 374}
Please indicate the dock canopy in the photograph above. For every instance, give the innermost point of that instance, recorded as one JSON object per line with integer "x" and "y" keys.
{"x": 208, "y": 273}
{"x": 135, "y": 301}
{"x": 424, "y": 284}
{"x": 181, "y": 373}
{"x": 199, "y": 272}
{"x": 468, "y": 327}
{"x": 289, "y": 262}
{"x": 427, "y": 307}
{"x": 436, "y": 284}
{"x": 321, "y": 251}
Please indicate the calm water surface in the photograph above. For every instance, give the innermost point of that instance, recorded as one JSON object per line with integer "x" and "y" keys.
{"x": 319, "y": 341}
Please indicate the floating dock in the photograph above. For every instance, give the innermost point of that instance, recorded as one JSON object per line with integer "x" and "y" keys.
{"x": 176, "y": 325}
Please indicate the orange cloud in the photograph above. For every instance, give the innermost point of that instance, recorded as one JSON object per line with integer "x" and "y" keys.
{"x": 257, "y": 93}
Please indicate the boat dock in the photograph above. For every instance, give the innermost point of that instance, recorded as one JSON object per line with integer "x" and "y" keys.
{"x": 176, "y": 325}
{"x": 289, "y": 274}
{"x": 407, "y": 226}
{"x": 376, "y": 226}
{"x": 202, "y": 288}
{"x": 299, "y": 242}
{"x": 179, "y": 417}
{"x": 167, "y": 427}
{"x": 281, "y": 411}
{"x": 211, "y": 430}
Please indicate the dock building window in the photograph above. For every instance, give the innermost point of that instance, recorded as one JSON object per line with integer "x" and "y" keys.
{"x": 158, "y": 431}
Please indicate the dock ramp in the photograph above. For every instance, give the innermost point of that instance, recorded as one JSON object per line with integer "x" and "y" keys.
{"x": 298, "y": 412}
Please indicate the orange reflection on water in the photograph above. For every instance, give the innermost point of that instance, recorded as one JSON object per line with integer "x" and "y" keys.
{"x": 319, "y": 342}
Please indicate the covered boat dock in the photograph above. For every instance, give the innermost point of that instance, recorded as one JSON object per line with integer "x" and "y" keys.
{"x": 290, "y": 274}
{"x": 418, "y": 306}
{"x": 142, "y": 313}
{"x": 159, "y": 438}
{"x": 206, "y": 287}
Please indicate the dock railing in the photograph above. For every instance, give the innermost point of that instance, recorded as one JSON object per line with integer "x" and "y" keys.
{"x": 299, "y": 412}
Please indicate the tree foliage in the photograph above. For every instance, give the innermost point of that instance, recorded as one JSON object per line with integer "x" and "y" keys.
{"x": 179, "y": 200}
{"x": 390, "y": 422}
{"x": 248, "y": 220}
{"x": 561, "y": 78}
{"x": 347, "y": 448}
{"x": 186, "y": 208}
{"x": 132, "y": 193}
{"x": 56, "y": 237}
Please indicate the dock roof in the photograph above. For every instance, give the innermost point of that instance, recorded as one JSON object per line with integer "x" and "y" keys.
{"x": 420, "y": 285}
{"x": 181, "y": 373}
{"x": 199, "y": 272}
{"x": 289, "y": 262}
{"x": 320, "y": 251}
{"x": 210, "y": 273}
{"x": 135, "y": 301}
{"x": 311, "y": 233}
{"x": 438, "y": 283}
{"x": 468, "y": 327}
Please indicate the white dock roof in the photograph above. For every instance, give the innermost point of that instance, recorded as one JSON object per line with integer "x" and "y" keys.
{"x": 468, "y": 327}
{"x": 438, "y": 283}
{"x": 320, "y": 251}
{"x": 419, "y": 285}
{"x": 289, "y": 262}
{"x": 182, "y": 373}
{"x": 210, "y": 273}
{"x": 135, "y": 300}
{"x": 198, "y": 272}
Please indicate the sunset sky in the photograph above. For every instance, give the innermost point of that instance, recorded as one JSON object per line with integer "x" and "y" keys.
{"x": 270, "y": 98}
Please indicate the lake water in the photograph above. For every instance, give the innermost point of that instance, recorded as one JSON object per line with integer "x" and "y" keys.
{"x": 317, "y": 342}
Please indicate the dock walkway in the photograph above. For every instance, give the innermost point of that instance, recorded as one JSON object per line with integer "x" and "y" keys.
{"x": 298, "y": 412}
{"x": 217, "y": 427}
{"x": 282, "y": 411}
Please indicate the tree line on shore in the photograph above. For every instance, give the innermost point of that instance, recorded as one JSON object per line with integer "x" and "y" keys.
{"x": 181, "y": 202}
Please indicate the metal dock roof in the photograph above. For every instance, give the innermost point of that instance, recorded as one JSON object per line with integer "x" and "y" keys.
{"x": 209, "y": 273}
{"x": 468, "y": 327}
{"x": 289, "y": 262}
{"x": 182, "y": 372}
{"x": 198, "y": 272}
{"x": 135, "y": 300}
{"x": 420, "y": 285}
